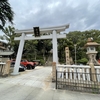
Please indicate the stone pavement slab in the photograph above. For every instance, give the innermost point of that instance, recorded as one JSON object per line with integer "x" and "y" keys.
{"x": 18, "y": 92}
{"x": 36, "y": 85}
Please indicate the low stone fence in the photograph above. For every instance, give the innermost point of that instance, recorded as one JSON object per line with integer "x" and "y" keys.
{"x": 79, "y": 72}
{"x": 71, "y": 71}
{"x": 76, "y": 77}
{"x": 5, "y": 68}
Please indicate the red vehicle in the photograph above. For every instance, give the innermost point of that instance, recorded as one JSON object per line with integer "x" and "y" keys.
{"x": 27, "y": 64}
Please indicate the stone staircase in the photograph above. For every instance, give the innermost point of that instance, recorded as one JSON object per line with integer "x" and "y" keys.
{"x": 49, "y": 61}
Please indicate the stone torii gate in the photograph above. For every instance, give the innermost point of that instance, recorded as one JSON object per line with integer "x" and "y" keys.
{"x": 25, "y": 36}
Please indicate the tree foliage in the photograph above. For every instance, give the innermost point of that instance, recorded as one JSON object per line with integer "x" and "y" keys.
{"x": 80, "y": 38}
{"x": 9, "y": 34}
{"x": 6, "y": 13}
{"x": 37, "y": 49}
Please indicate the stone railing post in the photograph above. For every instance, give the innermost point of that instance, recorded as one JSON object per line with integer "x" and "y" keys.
{"x": 93, "y": 72}
{"x": 6, "y": 68}
{"x": 53, "y": 71}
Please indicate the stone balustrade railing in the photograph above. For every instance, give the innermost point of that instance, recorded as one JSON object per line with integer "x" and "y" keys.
{"x": 78, "y": 72}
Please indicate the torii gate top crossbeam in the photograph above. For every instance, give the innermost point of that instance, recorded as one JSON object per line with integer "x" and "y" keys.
{"x": 43, "y": 30}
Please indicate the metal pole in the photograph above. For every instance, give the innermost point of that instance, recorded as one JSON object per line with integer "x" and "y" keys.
{"x": 56, "y": 78}
{"x": 75, "y": 54}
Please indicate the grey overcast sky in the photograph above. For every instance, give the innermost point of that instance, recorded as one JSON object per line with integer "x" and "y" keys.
{"x": 80, "y": 14}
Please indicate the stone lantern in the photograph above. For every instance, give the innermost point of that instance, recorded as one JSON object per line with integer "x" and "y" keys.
{"x": 91, "y": 51}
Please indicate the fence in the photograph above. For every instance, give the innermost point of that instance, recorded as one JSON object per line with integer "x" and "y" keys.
{"x": 78, "y": 78}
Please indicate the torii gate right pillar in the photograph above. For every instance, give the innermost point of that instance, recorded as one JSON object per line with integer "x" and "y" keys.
{"x": 55, "y": 51}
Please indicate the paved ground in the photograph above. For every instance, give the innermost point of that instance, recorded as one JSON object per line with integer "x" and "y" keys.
{"x": 36, "y": 85}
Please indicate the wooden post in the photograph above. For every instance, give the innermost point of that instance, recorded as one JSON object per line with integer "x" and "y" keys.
{"x": 93, "y": 73}
{"x": 53, "y": 71}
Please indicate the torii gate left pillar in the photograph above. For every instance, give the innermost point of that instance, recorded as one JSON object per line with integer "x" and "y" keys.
{"x": 52, "y": 36}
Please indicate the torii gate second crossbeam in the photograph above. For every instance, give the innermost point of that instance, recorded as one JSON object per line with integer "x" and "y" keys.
{"x": 53, "y": 36}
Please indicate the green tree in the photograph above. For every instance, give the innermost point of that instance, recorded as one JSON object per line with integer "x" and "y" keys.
{"x": 9, "y": 34}
{"x": 6, "y": 13}
{"x": 79, "y": 38}
{"x": 62, "y": 43}
{"x": 82, "y": 61}
{"x": 44, "y": 47}
{"x": 37, "y": 49}
{"x": 30, "y": 51}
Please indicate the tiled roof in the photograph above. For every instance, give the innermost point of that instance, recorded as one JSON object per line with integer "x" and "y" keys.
{"x": 6, "y": 53}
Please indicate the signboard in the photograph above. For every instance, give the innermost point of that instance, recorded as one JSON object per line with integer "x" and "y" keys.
{"x": 36, "y": 31}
